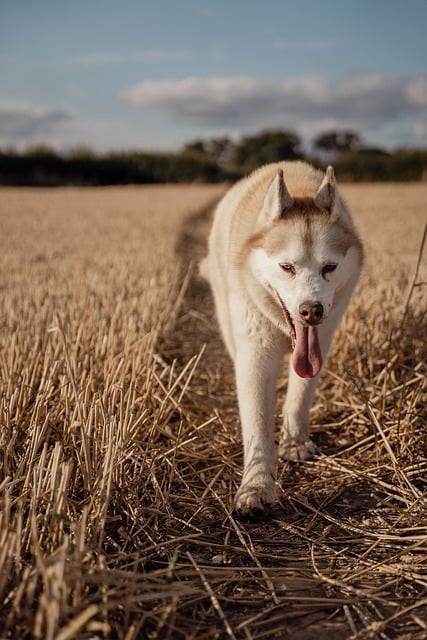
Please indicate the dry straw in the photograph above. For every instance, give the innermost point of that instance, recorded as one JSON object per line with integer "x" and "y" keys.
{"x": 120, "y": 443}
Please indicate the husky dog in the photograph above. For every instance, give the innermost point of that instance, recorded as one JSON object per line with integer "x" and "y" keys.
{"x": 284, "y": 258}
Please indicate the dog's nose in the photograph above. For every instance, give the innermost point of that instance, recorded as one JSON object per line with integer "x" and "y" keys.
{"x": 311, "y": 312}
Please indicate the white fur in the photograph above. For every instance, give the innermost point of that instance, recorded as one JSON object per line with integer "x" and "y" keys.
{"x": 247, "y": 279}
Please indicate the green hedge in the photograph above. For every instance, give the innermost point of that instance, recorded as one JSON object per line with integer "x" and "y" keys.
{"x": 377, "y": 165}
{"x": 44, "y": 167}
{"x": 48, "y": 168}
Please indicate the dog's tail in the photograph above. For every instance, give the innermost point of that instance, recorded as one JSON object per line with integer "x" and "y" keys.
{"x": 204, "y": 268}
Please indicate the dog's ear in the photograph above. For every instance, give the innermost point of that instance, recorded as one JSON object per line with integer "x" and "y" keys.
{"x": 325, "y": 196}
{"x": 277, "y": 200}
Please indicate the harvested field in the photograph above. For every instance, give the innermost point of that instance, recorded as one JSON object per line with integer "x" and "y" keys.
{"x": 120, "y": 442}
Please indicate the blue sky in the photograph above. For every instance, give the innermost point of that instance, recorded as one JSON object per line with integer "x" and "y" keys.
{"x": 156, "y": 74}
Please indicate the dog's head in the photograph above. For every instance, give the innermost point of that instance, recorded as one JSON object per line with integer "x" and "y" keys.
{"x": 305, "y": 252}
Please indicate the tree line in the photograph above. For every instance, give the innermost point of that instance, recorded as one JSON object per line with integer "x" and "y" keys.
{"x": 211, "y": 160}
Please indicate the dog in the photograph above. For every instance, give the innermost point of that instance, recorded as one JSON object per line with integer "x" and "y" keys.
{"x": 284, "y": 257}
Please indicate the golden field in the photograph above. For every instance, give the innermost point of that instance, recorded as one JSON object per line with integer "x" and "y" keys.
{"x": 120, "y": 443}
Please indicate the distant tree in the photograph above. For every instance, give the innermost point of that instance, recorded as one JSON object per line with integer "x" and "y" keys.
{"x": 269, "y": 146}
{"x": 215, "y": 149}
{"x": 364, "y": 164}
{"x": 81, "y": 151}
{"x": 219, "y": 149}
{"x": 41, "y": 151}
{"x": 43, "y": 166}
{"x": 337, "y": 141}
{"x": 196, "y": 146}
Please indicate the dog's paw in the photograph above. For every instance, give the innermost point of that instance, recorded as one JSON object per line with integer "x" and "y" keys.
{"x": 254, "y": 499}
{"x": 295, "y": 451}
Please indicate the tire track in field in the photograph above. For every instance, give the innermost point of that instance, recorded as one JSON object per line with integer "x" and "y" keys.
{"x": 197, "y": 323}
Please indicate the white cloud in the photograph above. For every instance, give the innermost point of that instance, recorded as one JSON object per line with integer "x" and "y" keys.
{"x": 385, "y": 109}
{"x": 23, "y": 125}
{"x": 417, "y": 92}
{"x": 306, "y": 104}
{"x": 419, "y": 133}
{"x": 21, "y": 121}
{"x": 101, "y": 134}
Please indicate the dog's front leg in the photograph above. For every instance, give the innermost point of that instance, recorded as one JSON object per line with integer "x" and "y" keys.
{"x": 295, "y": 443}
{"x": 256, "y": 375}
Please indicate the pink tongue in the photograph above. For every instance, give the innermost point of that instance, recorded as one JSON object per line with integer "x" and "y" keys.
{"x": 306, "y": 357}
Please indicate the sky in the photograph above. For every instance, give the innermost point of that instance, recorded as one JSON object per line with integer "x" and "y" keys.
{"x": 157, "y": 74}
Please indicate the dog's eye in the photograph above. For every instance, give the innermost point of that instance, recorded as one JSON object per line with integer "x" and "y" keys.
{"x": 289, "y": 268}
{"x": 328, "y": 268}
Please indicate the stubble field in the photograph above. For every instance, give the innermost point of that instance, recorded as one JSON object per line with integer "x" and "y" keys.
{"x": 120, "y": 447}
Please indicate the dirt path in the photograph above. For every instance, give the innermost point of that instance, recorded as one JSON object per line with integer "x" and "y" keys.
{"x": 298, "y": 606}
{"x": 343, "y": 553}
